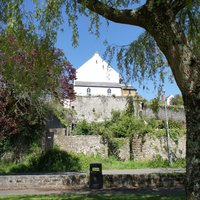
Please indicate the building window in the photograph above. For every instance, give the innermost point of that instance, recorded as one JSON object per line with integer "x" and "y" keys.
{"x": 88, "y": 92}
{"x": 129, "y": 91}
{"x": 109, "y": 92}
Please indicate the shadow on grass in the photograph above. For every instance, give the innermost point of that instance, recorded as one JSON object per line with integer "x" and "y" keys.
{"x": 94, "y": 197}
{"x": 53, "y": 160}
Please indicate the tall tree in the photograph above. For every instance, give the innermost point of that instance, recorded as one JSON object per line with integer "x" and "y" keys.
{"x": 31, "y": 69}
{"x": 171, "y": 33}
{"x": 174, "y": 27}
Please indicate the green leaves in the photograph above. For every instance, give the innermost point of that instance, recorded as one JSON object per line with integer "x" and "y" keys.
{"x": 140, "y": 61}
{"x": 29, "y": 65}
{"x": 189, "y": 21}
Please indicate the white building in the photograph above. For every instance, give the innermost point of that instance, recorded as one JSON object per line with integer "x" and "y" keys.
{"x": 96, "y": 77}
{"x": 169, "y": 99}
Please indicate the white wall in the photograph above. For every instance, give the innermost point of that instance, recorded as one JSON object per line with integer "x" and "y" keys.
{"x": 95, "y": 91}
{"x": 97, "y": 70}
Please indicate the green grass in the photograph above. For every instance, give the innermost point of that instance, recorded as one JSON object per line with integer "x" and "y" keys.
{"x": 58, "y": 161}
{"x": 94, "y": 197}
{"x": 113, "y": 163}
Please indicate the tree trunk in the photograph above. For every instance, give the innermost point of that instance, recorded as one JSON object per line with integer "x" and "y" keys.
{"x": 192, "y": 109}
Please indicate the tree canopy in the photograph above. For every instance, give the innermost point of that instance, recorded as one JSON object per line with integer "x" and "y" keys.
{"x": 32, "y": 71}
{"x": 171, "y": 38}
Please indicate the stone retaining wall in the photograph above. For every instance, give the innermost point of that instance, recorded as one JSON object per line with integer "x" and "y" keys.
{"x": 99, "y": 108}
{"x": 53, "y": 181}
{"x": 81, "y": 180}
{"x": 144, "y": 181}
{"x": 143, "y": 147}
{"x": 87, "y": 144}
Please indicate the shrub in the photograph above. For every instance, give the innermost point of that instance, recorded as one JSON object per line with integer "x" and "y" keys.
{"x": 175, "y": 124}
{"x": 155, "y": 106}
{"x": 53, "y": 160}
{"x": 56, "y": 160}
{"x": 82, "y": 128}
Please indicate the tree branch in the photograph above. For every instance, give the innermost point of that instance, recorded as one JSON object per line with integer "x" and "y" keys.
{"x": 178, "y": 5}
{"x": 125, "y": 16}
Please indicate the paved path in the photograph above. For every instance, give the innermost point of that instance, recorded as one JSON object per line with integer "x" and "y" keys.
{"x": 159, "y": 191}
{"x": 145, "y": 171}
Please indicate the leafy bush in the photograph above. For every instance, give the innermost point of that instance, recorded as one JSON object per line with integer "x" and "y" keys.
{"x": 92, "y": 128}
{"x": 155, "y": 106}
{"x": 175, "y": 124}
{"x": 64, "y": 115}
{"x": 55, "y": 160}
{"x": 158, "y": 162}
{"x": 115, "y": 116}
{"x": 126, "y": 126}
{"x": 82, "y": 128}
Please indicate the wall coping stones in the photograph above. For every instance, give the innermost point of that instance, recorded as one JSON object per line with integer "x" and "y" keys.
{"x": 151, "y": 178}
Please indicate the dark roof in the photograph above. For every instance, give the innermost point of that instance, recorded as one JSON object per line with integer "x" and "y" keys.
{"x": 128, "y": 87}
{"x": 103, "y": 84}
{"x": 97, "y": 84}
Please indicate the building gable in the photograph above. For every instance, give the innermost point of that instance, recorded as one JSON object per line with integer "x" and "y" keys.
{"x": 97, "y": 70}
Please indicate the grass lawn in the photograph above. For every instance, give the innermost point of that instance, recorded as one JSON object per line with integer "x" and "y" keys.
{"x": 93, "y": 197}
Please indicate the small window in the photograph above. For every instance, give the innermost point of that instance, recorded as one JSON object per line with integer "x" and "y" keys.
{"x": 109, "y": 92}
{"x": 88, "y": 92}
{"x": 129, "y": 91}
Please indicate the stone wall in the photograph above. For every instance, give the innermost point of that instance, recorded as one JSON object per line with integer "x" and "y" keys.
{"x": 81, "y": 180}
{"x": 142, "y": 147}
{"x": 172, "y": 114}
{"x": 80, "y": 144}
{"x": 99, "y": 108}
{"x": 149, "y": 147}
{"x": 42, "y": 181}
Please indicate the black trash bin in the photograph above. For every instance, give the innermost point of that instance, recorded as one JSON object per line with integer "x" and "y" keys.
{"x": 96, "y": 177}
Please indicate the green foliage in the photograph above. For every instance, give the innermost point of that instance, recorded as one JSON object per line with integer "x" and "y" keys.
{"x": 120, "y": 125}
{"x": 130, "y": 110}
{"x": 64, "y": 115}
{"x": 155, "y": 106}
{"x": 127, "y": 126}
{"x": 53, "y": 160}
{"x": 31, "y": 71}
{"x": 174, "y": 133}
{"x": 115, "y": 115}
{"x": 83, "y": 128}
{"x": 175, "y": 124}
{"x": 32, "y": 67}
{"x": 158, "y": 128}
{"x": 189, "y": 20}
{"x": 155, "y": 124}
{"x": 177, "y": 100}
{"x": 28, "y": 122}
{"x": 141, "y": 60}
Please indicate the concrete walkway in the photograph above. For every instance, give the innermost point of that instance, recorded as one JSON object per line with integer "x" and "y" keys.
{"x": 145, "y": 171}
{"x": 87, "y": 191}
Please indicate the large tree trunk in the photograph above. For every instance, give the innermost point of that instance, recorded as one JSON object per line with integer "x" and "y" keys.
{"x": 192, "y": 109}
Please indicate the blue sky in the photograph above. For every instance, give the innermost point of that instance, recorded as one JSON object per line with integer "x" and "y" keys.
{"x": 118, "y": 34}
{"x": 88, "y": 44}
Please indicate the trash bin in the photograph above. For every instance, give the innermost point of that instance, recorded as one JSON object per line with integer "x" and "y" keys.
{"x": 96, "y": 177}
